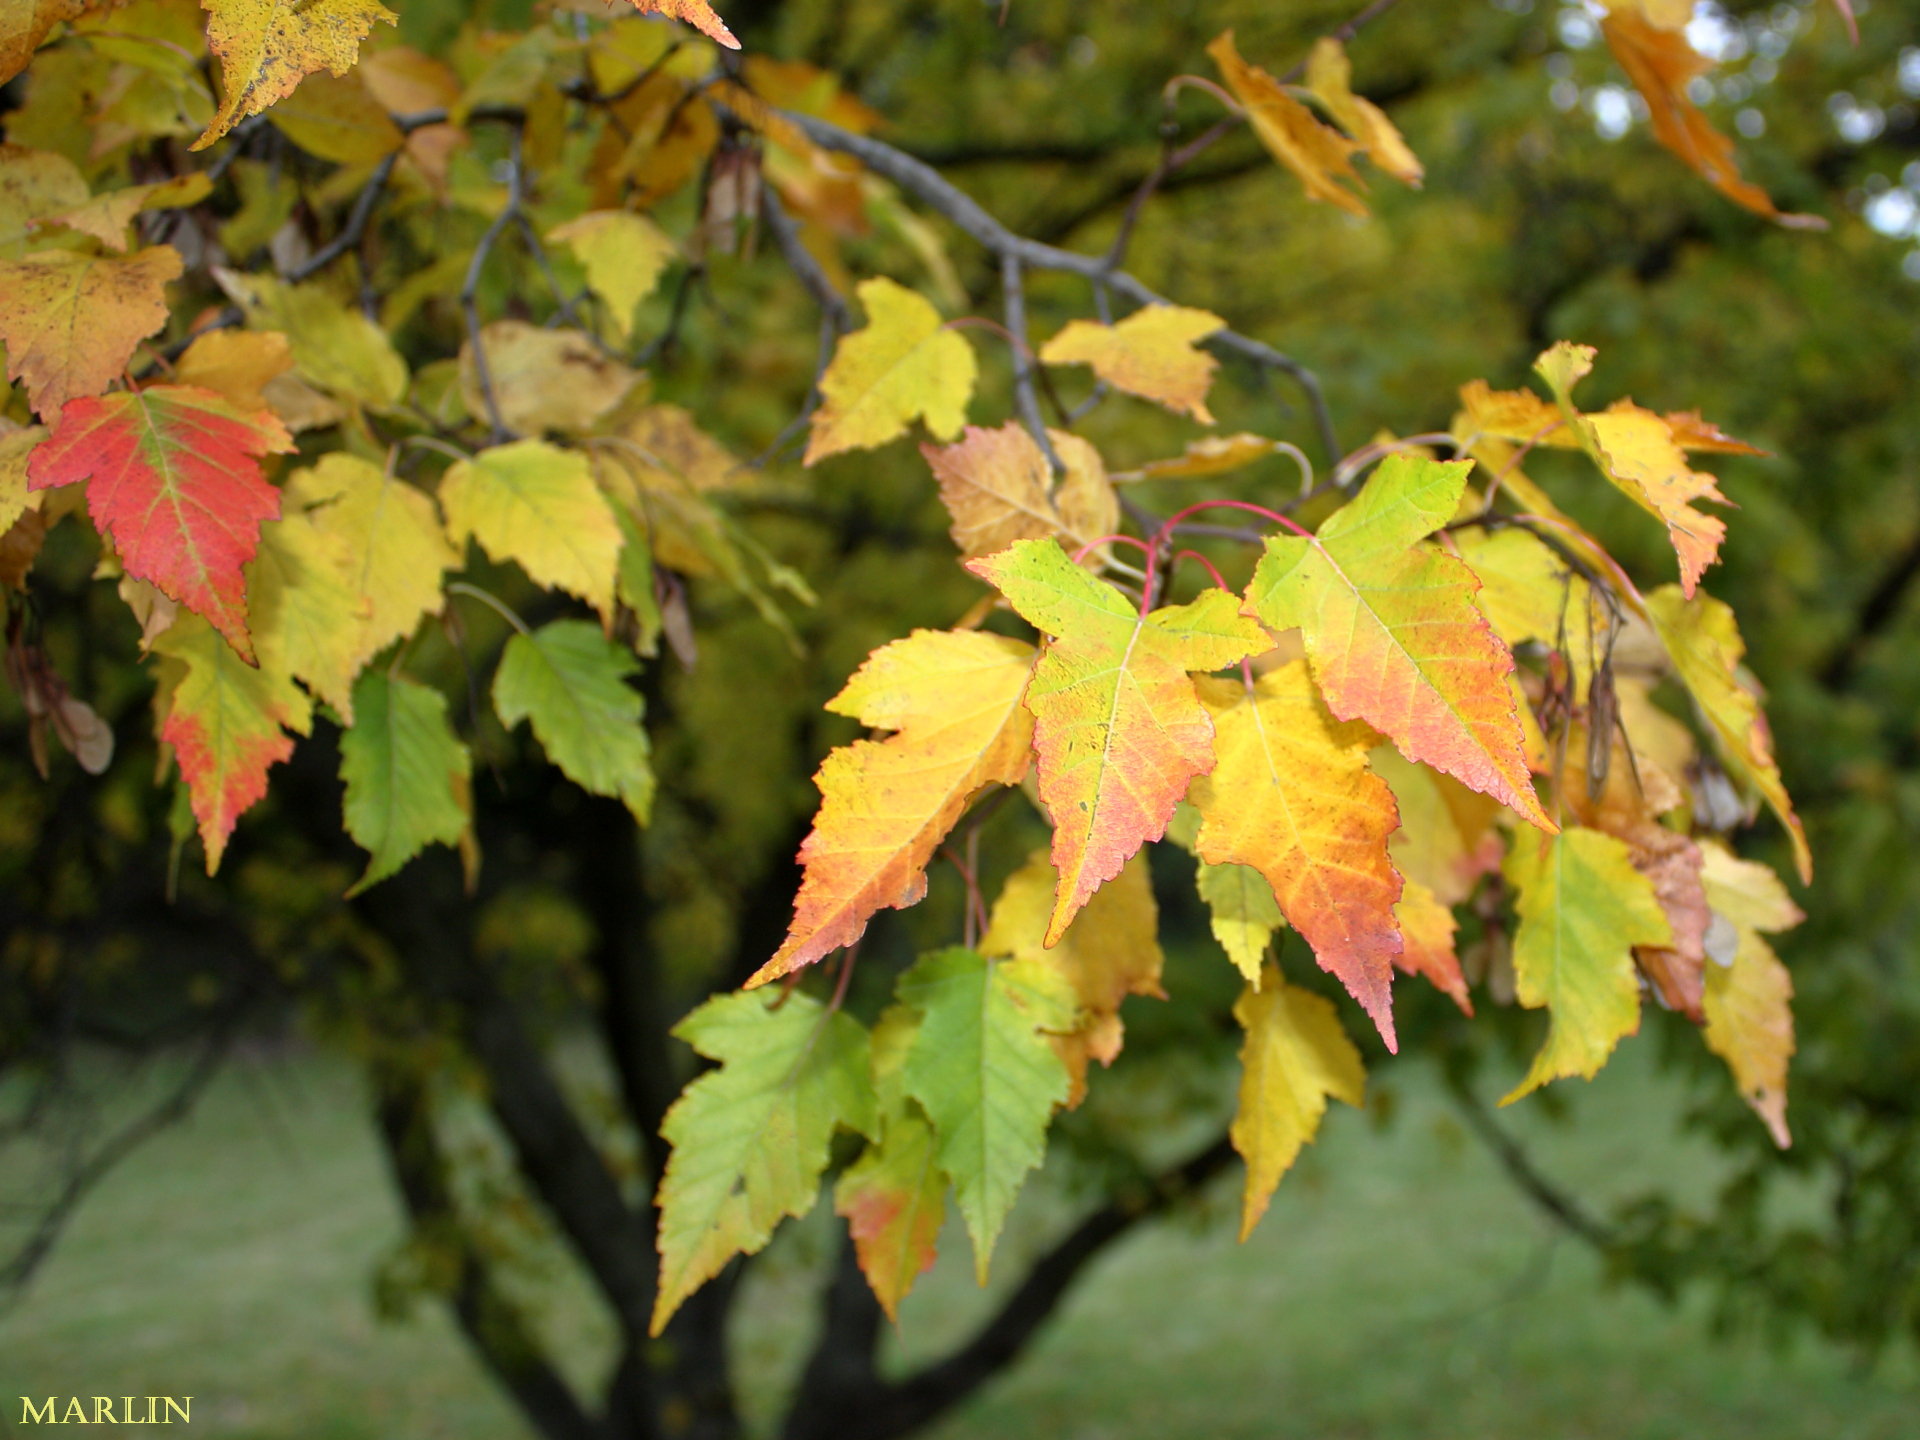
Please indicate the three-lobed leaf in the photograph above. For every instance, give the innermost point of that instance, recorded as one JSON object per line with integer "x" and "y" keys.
{"x": 905, "y": 365}
{"x": 1393, "y": 634}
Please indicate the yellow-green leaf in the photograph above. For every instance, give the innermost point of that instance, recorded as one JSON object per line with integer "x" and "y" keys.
{"x": 904, "y": 366}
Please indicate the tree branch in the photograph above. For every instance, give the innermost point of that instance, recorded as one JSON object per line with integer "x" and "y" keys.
{"x": 933, "y": 189}
{"x": 881, "y": 1411}
{"x": 1561, "y": 1207}
{"x": 493, "y": 1324}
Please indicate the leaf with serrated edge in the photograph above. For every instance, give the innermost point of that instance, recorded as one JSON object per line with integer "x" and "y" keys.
{"x": 1330, "y": 77}
{"x": 71, "y": 321}
{"x": 1318, "y": 154}
{"x": 1291, "y": 795}
{"x": 953, "y": 700}
{"x": 998, "y": 487}
{"x": 1703, "y": 640}
{"x": 1392, "y": 632}
{"x": 1638, "y": 451}
{"x": 1749, "y": 993}
{"x": 387, "y": 543}
{"x": 536, "y": 505}
{"x": 623, "y": 254}
{"x": 406, "y": 774}
{"x": 1427, "y": 927}
{"x": 1295, "y": 1057}
{"x": 304, "y": 616}
{"x": 751, "y": 1137}
{"x": 224, "y": 720}
{"x": 1582, "y": 908}
{"x": 904, "y": 365}
{"x": 697, "y": 13}
{"x": 986, "y": 1076}
{"x": 266, "y": 47}
{"x": 1111, "y": 951}
{"x": 1118, "y": 730}
{"x": 173, "y": 480}
{"x": 570, "y": 681}
{"x": 1241, "y": 909}
{"x": 1150, "y": 354}
{"x": 894, "y": 1197}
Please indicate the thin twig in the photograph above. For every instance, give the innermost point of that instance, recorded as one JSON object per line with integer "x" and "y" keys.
{"x": 355, "y": 227}
{"x": 933, "y": 189}
{"x": 806, "y": 268}
{"x": 470, "y": 287}
{"x": 1024, "y": 394}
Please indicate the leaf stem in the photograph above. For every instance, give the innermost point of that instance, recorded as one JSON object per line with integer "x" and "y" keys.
{"x": 498, "y": 606}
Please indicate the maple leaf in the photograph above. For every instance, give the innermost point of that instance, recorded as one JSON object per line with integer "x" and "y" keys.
{"x": 227, "y": 723}
{"x": 998, "y": 487}
{"x": 1208, "y": 456}
{"x": 697, "y": 13}
{"x": 407, "y": 775}
{"x": 1118, "y": 729}
{"x": 173, "y": 480}
{"x": 304, "y": 616}
{"x": 1392, "y": 632}
{"x": 339, "y": 120}
{"x": 1748, "y": 1001}
{"x": 1582, "y": 907}
{"x": 1241, "y": 910}
{"x": 905, "y": 364}
{"x": 1529, "y": 592}
{"x": 1662, "y": 66}
{"x": 570, "y": 681}
{"x": 985, "y": 1075}
{"x": 106, "y": 217}
{"x": 1636, "y": 449}
{"x": 335, "y": 347}
{"x": 33, "y": 184}
{"x": 17, "y": 444}
{"x": 71, "y": 321}
{"x": 239, "y": 364}
{"x": 1330, "y": 78}
{"x": 388, "y": 546}
{"x": 1703, "y": 640}
{"x": 266, "y": 47}
{"x": 1318, "y": 154}
{"x": 543, "y": 379}
{"x": 894, "y": 1197}
{"x": 1290, "y": 794}
{"x": 1150, "y": 354}
{"x": 751, "y": 1137}
{"x": 953, "y": 700}
{"x": 1295, "y": 1057}
{"x": 25, "y": 23}
{"x": 624, "y": 255}
{"x": 1111, "y": 951}
{"x": 1427, "y": 929}
{"x": 536, "y": 505}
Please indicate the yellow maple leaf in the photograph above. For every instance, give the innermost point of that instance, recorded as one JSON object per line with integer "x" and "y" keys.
{"x": 536, "y": 505}
{"x": 1295, "y": 1058}
{"x": 542, "y": 379}
{"x": 1704, "y": 642}
{"x": 1749, "y": 993}
{"x": 953, "y": 700}
{"x": 1111, "y": 951}
{"x": 624, "y": 255}
{"x": 71, "y": 320}
{"x": 1150, "y": 354}
{"x": 1291, "y": 795}
{"x": 239, "y": 364}
{"x": 387, "y": 544}
{"x": 1330, "y": 77}
{"x": 998, "y": 487}
{"x": 266, "y": 47}
{"x": 1318, "y": 154}
{"x": 904, "y": 365}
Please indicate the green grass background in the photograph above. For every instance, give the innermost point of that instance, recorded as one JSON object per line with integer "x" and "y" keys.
{"x": 1399, "y": 1287}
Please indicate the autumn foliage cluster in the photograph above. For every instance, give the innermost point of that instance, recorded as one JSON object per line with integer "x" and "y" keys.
{"x": 1412, "y": 689}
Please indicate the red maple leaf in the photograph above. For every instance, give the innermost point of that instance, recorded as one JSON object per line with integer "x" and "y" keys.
{"x": 174, "y": 482}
